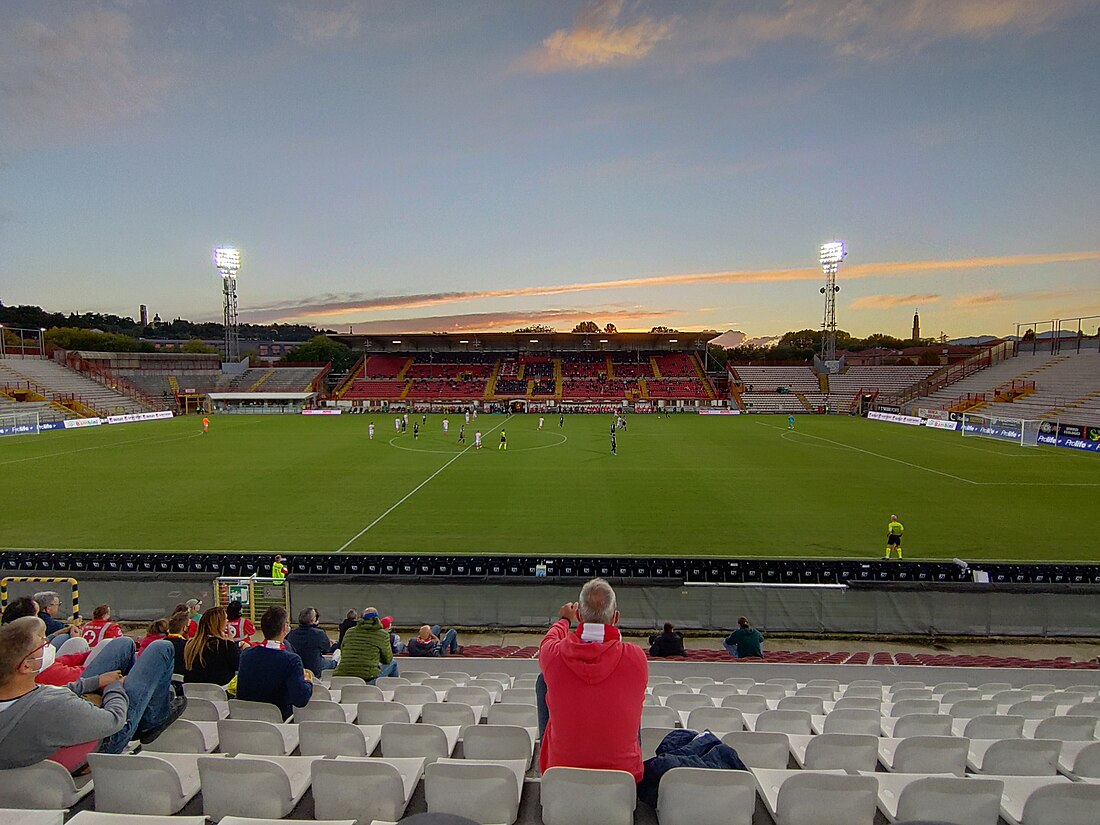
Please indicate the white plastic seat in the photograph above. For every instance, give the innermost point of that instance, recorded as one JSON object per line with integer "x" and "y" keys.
{"x": 760, "y": 750}
{"x": 832, "y": 684}
{"x": 414, "y": 695}
{"x": 746, "y": 703}
{"x": 917, "y": 724}
{"x": 862, "y": 693}
{"x": 256, "y": 738}
{"x": 1066, "y": 728}
{"x": 783, "y": 721}
{"x": 969, "y": 708}
{"x": 989, "y": 727}
{"x": 341, "y": 682}
{"x": 952, "y": 697}
{"x": 205, "y": 710}
{"x": 943, "y": 687}
{"x": 1034, "y": 709}
{"x": 908, "y": 694}
{"x": 321, "y": 692}
{"x": 253, "y": 786}
{"x": 201, "y": 690}
{"x": 390, "y": 682}
{"x": 364, "y": 790}
{"x": 655, "y": 680}
{"x": 698, "y": 682}
{"x": 865, "y": 722}
{"x": 659, "y": 717}
{"x": 666, "y": 689}
{"x": 478, "y": 790}
{"x": 784, "y": 682}
{"x": 702, "y": 796}
{"x": 1066, "y": 698}
{"x": 907, "y": 706}
{"x": 716, "y": 720}
{"x": 525, "y": 716}
{"x": 504, "y": 679}
{"x": 960, "y": 801}
{"x": 651, "y": 701}
{"x": 475, "y": 697}
{"x": 1048, "y": 800}
{"x": 742, "y": 683}
{"x": 518, "y": 696}
{"x": 989, "y": 688}
{"x": 862, "y": 683}
{"x": 149, "y": 784}
{"x": 650, "y": 738}
{"x": 185, "y": 736}
{"x": 577, "y": 795}
{"x": 1014, "y": 757}
{"x": 337, "y": 739}
{"x": 436, "y": 683}
{"x": 405, "y": 740}
{"x": 1090, "y": 692}
{"x": 839, "y": 751}
{"x": 825, "y": 694}
{"x": 1039, "y": 689}
{"x": 493, "y": 686}
{"x": 688, "y": 701}
{"x": 1009, "y": 697}
{"x": 378, "y": 713}
{"x": 812, "y": 798}
{"x": 924, "y": 754}
{"x": 1085, "y": 709}
{"x": 354, "y": 694}
{"x": 905, "y": 685}
{"x": 450, "y": 713}
{"x": 44, "y": 786}
{"x": 527, "y": 680}
{"x": 248, "y": 820}
{"x": 499, "y": 742}
{"x": 459, "y": 677}
{"x": 811, "y": 704}
{"x": 770, "y": 690}
{"x": 95, "y": 818}
{"x": 255, "y": 711}
{"x": 719, "y": 691}
{"x": 320, "y": 710}
{"x": 1080, "y": 758}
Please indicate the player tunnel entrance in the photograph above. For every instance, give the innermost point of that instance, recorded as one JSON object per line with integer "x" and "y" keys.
{"x": 517, "y": 405}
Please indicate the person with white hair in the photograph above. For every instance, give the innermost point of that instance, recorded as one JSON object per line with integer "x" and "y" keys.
{"x": 591, "y": 688}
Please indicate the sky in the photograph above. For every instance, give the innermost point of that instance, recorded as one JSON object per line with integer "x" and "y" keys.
{"x": 464, "y": 165}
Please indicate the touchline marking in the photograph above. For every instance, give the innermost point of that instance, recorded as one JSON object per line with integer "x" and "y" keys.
{"x": 880, "y": 455}
{"x": 408, "y": 495}
{"x": 101, "y": 447}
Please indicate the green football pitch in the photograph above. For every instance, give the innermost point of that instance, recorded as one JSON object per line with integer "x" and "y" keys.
{"x": 686, "y": 485}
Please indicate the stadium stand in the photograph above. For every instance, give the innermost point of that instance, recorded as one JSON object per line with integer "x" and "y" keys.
{"x": 57, "y": 382}
{"x": 879, "y": 380}
{"x": 779, "y": 389}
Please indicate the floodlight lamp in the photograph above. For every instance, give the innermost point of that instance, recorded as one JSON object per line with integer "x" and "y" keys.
{"x": 833, "y": 253}
{"x": 227, "y": 261}
{"x": 463, "y": 342}
{"x": 534, "y": 340}
{"x": 674, "y": 340}
{"x": 603, "y": 340}
{"x": 395, "y": 342}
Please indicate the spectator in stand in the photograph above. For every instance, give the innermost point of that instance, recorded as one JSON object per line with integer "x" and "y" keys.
{"x": 18, "y": 608}
{"x": 194, "y": 613}
{"x": 177, "y": 626}
{"x": 366, "y": 652}
{"x": 746, "y": 642}
{"x": 311, "y": 643}
{"x": 49, "y": 603}
{"x": 668, "y": 643}
{"x": 271, "y": 673}
{"x": 156, "y": 631}
{"x": 238, "y": 628}
{"x": 211, "y": 656}
{"x": 396, "y": 644}
{"x": 591, "y": 688}
{"x": 100, "y": 628}
{"x": 432, "y": 641}
{"x": 349, "y": 622}
{"x": 41, "y": 722}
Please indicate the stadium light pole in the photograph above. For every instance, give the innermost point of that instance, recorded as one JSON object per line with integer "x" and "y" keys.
{"x": 227, "y": 261}
{"x": 832, "y": 254}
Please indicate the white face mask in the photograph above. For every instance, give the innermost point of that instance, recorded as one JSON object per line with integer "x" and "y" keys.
{"x": 49, "y": 655}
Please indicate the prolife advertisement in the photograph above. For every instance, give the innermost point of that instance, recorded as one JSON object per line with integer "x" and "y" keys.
{"x": 993, "y": 429}
{"x": 1077, "y": 437}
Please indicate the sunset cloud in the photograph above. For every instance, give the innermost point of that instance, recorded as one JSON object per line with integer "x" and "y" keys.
{"x": 336, "y": 306}
{"x": 597, "y": 40}
{"x": 993, "y": 297}
{"x": 891, "y": 301}
{"x": 507, "y": 321}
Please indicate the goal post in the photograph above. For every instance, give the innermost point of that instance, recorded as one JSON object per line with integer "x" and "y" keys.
{"x": 20, "y": 423}
{"x": 1022, "y": 431}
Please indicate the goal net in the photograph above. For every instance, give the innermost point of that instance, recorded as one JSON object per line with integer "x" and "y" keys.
{"x": 21, "y": 423}
{"x": 1022, "y": 431}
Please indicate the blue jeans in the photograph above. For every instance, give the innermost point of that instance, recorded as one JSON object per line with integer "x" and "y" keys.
{"x": 147, "y": 686}
{"x": 730, "y": 649}
{"x": 448, "y": 642}
{"x": 387, "y": 670}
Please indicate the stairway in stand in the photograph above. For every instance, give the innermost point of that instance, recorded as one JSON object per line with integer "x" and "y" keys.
{"x": 261, "y": 380}
{"x": 557, "y": 378}
{"x": 702, "y": 376}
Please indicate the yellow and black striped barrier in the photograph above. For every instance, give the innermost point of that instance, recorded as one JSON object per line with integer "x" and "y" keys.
{"x": 70, "y": 581}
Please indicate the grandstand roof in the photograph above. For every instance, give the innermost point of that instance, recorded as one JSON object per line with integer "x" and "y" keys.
{"x": 261, "y": 396}
{"x": 527, "y": 341}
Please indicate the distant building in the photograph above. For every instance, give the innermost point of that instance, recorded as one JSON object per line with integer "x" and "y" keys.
{"x": 916, "y": 325}
{"x": 143, "y": 313}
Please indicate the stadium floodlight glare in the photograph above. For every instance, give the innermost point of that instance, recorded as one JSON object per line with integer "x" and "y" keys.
{"x": 674, "y": 340}
{"x": 227, "y": 260}
{"x": 395, "y": 342}
{"x": 832, "y": 253}
{"x": 463, "y": 341}
{"x": 603, "y": 340}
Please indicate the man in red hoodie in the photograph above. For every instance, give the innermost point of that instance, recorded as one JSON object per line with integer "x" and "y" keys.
{"x": 595, "y": 687}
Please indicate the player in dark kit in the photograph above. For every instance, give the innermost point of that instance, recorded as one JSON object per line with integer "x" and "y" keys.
{"x": 416, "y": 431}
{"x": 613, "y": 442}
{"x": 462, "y": 434}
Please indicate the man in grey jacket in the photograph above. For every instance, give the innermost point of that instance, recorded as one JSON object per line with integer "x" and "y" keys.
{"x": 38, "y": 722}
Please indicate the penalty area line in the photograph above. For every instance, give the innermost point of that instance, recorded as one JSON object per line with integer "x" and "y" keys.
{"x": 409, "y": 494}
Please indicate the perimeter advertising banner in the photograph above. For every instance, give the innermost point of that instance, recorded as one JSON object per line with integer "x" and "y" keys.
{"x": 993, "y": 429}
{"x": 1079, "y": 437}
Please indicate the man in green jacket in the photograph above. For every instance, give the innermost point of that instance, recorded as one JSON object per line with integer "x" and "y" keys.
{"x": 746, "y": 642}
{"x": 365, "y": 651}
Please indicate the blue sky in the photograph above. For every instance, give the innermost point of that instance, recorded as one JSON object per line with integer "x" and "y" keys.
{"x": 414, "y": 166}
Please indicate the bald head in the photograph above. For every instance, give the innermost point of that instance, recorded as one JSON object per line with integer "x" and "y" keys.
{"x": 597, "y": 603}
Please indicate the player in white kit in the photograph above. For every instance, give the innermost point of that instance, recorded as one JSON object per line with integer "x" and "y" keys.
{"x": 477, "y": 440}
{"x": 467, "y": 416}
{"x": 540, "y": 422}
{"x": 370, "y": 431}
{"x": 446, "y": 424}
{"x": 397, "y": 424}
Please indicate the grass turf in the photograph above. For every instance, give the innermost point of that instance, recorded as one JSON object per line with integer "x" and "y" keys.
{"x": 687, "y": 485}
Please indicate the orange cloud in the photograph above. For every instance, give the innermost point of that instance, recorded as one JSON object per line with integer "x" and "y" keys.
{"x": 891, "y": 301}
{"x": 596, "y": 40}
{"x": 983, "y": 299}
{"x": 334, "y": 306}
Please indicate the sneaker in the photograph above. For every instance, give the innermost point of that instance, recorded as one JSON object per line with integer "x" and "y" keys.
{"x": 177, "y": 704}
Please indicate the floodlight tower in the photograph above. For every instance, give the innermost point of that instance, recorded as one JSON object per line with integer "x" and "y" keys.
{"x": 227, "y": 261}
{"x": 832, "y": 254}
